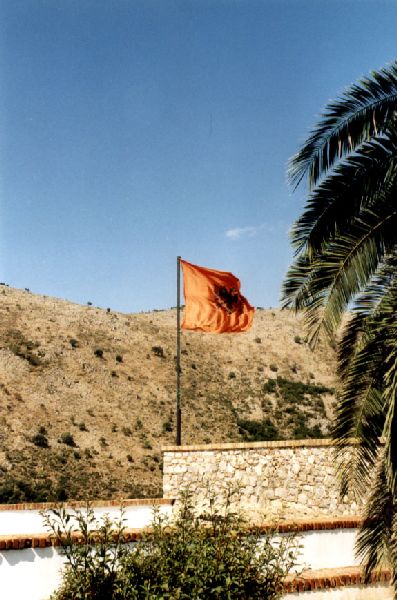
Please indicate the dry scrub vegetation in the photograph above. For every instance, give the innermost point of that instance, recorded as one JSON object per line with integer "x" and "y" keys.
{"x": 88, "y": 394}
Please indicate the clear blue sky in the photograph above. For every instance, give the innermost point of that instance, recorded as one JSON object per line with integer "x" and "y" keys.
{"x": 136, "y": 130}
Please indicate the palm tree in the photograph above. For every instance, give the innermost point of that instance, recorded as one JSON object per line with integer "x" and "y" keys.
{"x": 346, "y": 264}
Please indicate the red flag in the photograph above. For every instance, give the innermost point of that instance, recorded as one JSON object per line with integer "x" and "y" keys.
{"x": 213, "y": 302}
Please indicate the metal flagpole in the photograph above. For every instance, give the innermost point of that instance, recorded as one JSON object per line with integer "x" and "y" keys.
{"x": 178, "y": 353}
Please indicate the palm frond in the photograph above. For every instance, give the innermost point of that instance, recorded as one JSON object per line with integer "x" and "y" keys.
{"x": 367, "y": 407}
{"x": 356, "y": 183}
{"x": 375, "y": 535}
{"x": 390, "y": 395}
{"x": 352, "y": 334}
{"x": 364, "y": 110}
{"x": 368, "y": 310}
{"x": 346, "y": 259}
{"x": 296, "y": 282}
{"x": 355, "y": 464}
{"x": 360, "y": 415}
{"x": 325, "y": 287}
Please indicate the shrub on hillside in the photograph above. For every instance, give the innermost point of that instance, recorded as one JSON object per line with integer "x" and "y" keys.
{"x": 67, "y": 438}
{"x": 40, "y": 440}
{"x": 158, "y": 351}
{"x": 211, "y": 556}
{"x": 33, "y": 359}
{"x": 270, "y": 386}
{"x": 295, "y": 391}
{"x": 258, "y": 431}
{"x": 302, "y": 431}
{"x": 168, "y": 427}
{"x": 14, "y": 490}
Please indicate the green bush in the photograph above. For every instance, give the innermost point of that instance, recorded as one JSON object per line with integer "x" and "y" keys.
{"x": 167, "y": 426}
{"x": 258, "y": 431}
{"x": 14, "y": 491}
{"x": 40, "y": 440}
{"x": 302, "y": 431}
{"x": 33, "y": 359}
{"x": 158, "y": 351}
{"x": 294, "y": 391}
{"x": 270, "y": 386}
{"x": 67, "y": 438}
{"x": 196, "y": 557}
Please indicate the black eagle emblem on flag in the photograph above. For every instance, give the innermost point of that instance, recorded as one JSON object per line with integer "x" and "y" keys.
{"x": 228, "y": 299}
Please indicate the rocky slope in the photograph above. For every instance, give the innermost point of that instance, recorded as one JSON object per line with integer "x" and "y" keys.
{"x": 88, "y": 395}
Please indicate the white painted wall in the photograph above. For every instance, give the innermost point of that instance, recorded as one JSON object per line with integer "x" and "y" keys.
{"x": 30, "y": 574}
{"x": 328, "y": 549}
{"x": 33, "y": 574}
{"x": 14, "y": 522}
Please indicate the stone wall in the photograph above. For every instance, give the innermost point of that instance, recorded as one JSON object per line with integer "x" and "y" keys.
{"x": 288, "y": 479}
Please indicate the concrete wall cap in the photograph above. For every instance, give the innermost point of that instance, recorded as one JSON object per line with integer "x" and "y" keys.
{"x": 311, "y": 443}
{"x": 78, "y": 504}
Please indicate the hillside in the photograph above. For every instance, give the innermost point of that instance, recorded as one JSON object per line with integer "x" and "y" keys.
{"x": 88, "y": 395}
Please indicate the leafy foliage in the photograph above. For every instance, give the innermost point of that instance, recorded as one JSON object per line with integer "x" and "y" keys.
{"x": 258, "y": 431}
{"x": 13, "y": 490}
{"x": 93, "y": 550}
{"x": 40, "y": 440}
{"x": 23, "y": 348}
{"x": 158, "y": 351}
{"x": 67, "y": 438}
{"x": 212, "y": 555}
{"x": 346, "y": 260}
{"x": 364, "y": 112}
{"x": 295, "y": 391}
{"x": 300, "y": 407}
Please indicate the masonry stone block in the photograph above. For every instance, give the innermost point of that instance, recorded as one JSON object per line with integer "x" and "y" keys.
{"x": 294, "y": 477}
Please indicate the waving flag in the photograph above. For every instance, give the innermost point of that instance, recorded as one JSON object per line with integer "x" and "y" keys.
{"x": 213, "y": 302}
